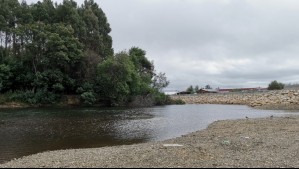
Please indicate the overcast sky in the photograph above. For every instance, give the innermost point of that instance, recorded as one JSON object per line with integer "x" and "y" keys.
{"x": 223, "y": 43}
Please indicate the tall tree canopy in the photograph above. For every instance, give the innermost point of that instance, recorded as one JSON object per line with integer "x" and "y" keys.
{"x": 48, "y": 50}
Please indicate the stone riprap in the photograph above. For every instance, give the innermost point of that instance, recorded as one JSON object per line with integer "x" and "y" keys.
{"x": 285, "y": 99}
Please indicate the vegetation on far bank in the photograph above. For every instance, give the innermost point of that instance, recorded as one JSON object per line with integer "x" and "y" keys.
{"x": 274, "y": 85}
{"x": 49, "y": 50}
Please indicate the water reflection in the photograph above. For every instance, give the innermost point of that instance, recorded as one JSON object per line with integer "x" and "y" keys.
{"x": 28, "y": 131}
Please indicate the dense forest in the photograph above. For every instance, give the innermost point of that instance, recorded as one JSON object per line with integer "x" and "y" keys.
{"x": 48, "y": 50}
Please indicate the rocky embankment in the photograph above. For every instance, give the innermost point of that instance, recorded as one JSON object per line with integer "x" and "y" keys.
{"x": 283, "y": 99}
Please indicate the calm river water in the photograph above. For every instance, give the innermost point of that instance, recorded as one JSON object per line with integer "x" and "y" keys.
{"x": 28, "y": 131}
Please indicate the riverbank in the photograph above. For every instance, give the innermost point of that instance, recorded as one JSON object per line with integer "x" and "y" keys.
{"x": 281, "y": 99}
{"x": 12, "y": 105}
{"x": 269, "y": 142}
{"x": 75, "y": 101}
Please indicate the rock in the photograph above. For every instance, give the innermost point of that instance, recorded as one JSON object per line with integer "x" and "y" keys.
{"x": 172, "y": 145}
{"x": 284, "y": 97}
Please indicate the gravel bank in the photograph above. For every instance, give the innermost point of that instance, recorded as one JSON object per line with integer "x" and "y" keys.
{"x": 281, "y": 99}
{"x": 270, "y": 142}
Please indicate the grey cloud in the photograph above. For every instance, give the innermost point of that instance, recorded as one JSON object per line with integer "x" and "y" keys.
{"x": 225, "y": 43}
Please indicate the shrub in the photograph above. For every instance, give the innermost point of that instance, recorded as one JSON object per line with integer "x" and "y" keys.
{"x": 58, "y": 87}
{"x": 274, "y": 85}
{"x": 3, "y": 98}
{"x": 41, "y": 96}
{"x": 88, "y": 98}
{"x": 161, "y": 99}
{"x": 179, "y": 101}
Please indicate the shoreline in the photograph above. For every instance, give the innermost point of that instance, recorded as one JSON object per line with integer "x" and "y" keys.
{"x": 261, "y": 142}
{"x": 279, "y": 99}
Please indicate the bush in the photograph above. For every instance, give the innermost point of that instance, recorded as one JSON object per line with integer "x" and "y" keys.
{"x": 58, "y": 87}
{"x": 41, "y": 96}
{"x": 161, "y": 99}
{"x": 3, "y": 98}
{"x": 274, "y": 85}
{"x": 88, "y": 98}
{"x": 179, "y": 101}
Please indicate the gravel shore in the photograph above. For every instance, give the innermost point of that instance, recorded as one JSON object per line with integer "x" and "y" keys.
{"x": 269, "y": 142}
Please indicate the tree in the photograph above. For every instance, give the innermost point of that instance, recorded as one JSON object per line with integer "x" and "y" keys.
{"x": 190, "y": 89}
{"x": 9, "y": 20}
{"x": 63, "y": 49}
{"x": 47, "y": 50}
{"x": 113, "y": 78}
{"x": 5, "y": 75}
{"x": 104, "y": 30}
{"x": 142, "y": 65}
{"x": 208, "y": 87}
{"x": 274, "y": 85}
{"x": 196, "y": 88}
{"x": 160, "y": 81}
{"x": 144, "y": 71}
{"x": 97, "y": 29}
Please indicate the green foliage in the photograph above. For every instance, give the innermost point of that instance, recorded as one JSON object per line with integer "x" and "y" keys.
{"x": 160, "y": 81}
{"x": 113, "y": 78}
{"x": 86, "y": 87}
{"x": 3, "y": 98}
{"x": 143, "y": 66}
{"x": 96, "y": 29}
{"x": 161, "y": 99}
{"x": 5, "y": 76}
{"x": 49, "y": 50}
{"x": 196, "y": 88}
{"x": 178, "y": 101}
{"x": 88, "y": 98}
{"x": 58, "y": 87}
{"x": 208, "y": 87}
{"x": 274, "y": 85}
{"x": 190, "y": 89}
{"x": 87, "y": 94}
{"x": 41, "y": 96}
{"x": 42, "y": 52}
{"x": 125, "y": 75}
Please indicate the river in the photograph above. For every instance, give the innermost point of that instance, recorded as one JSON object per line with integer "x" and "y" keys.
{"x": 32, "y": 130}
